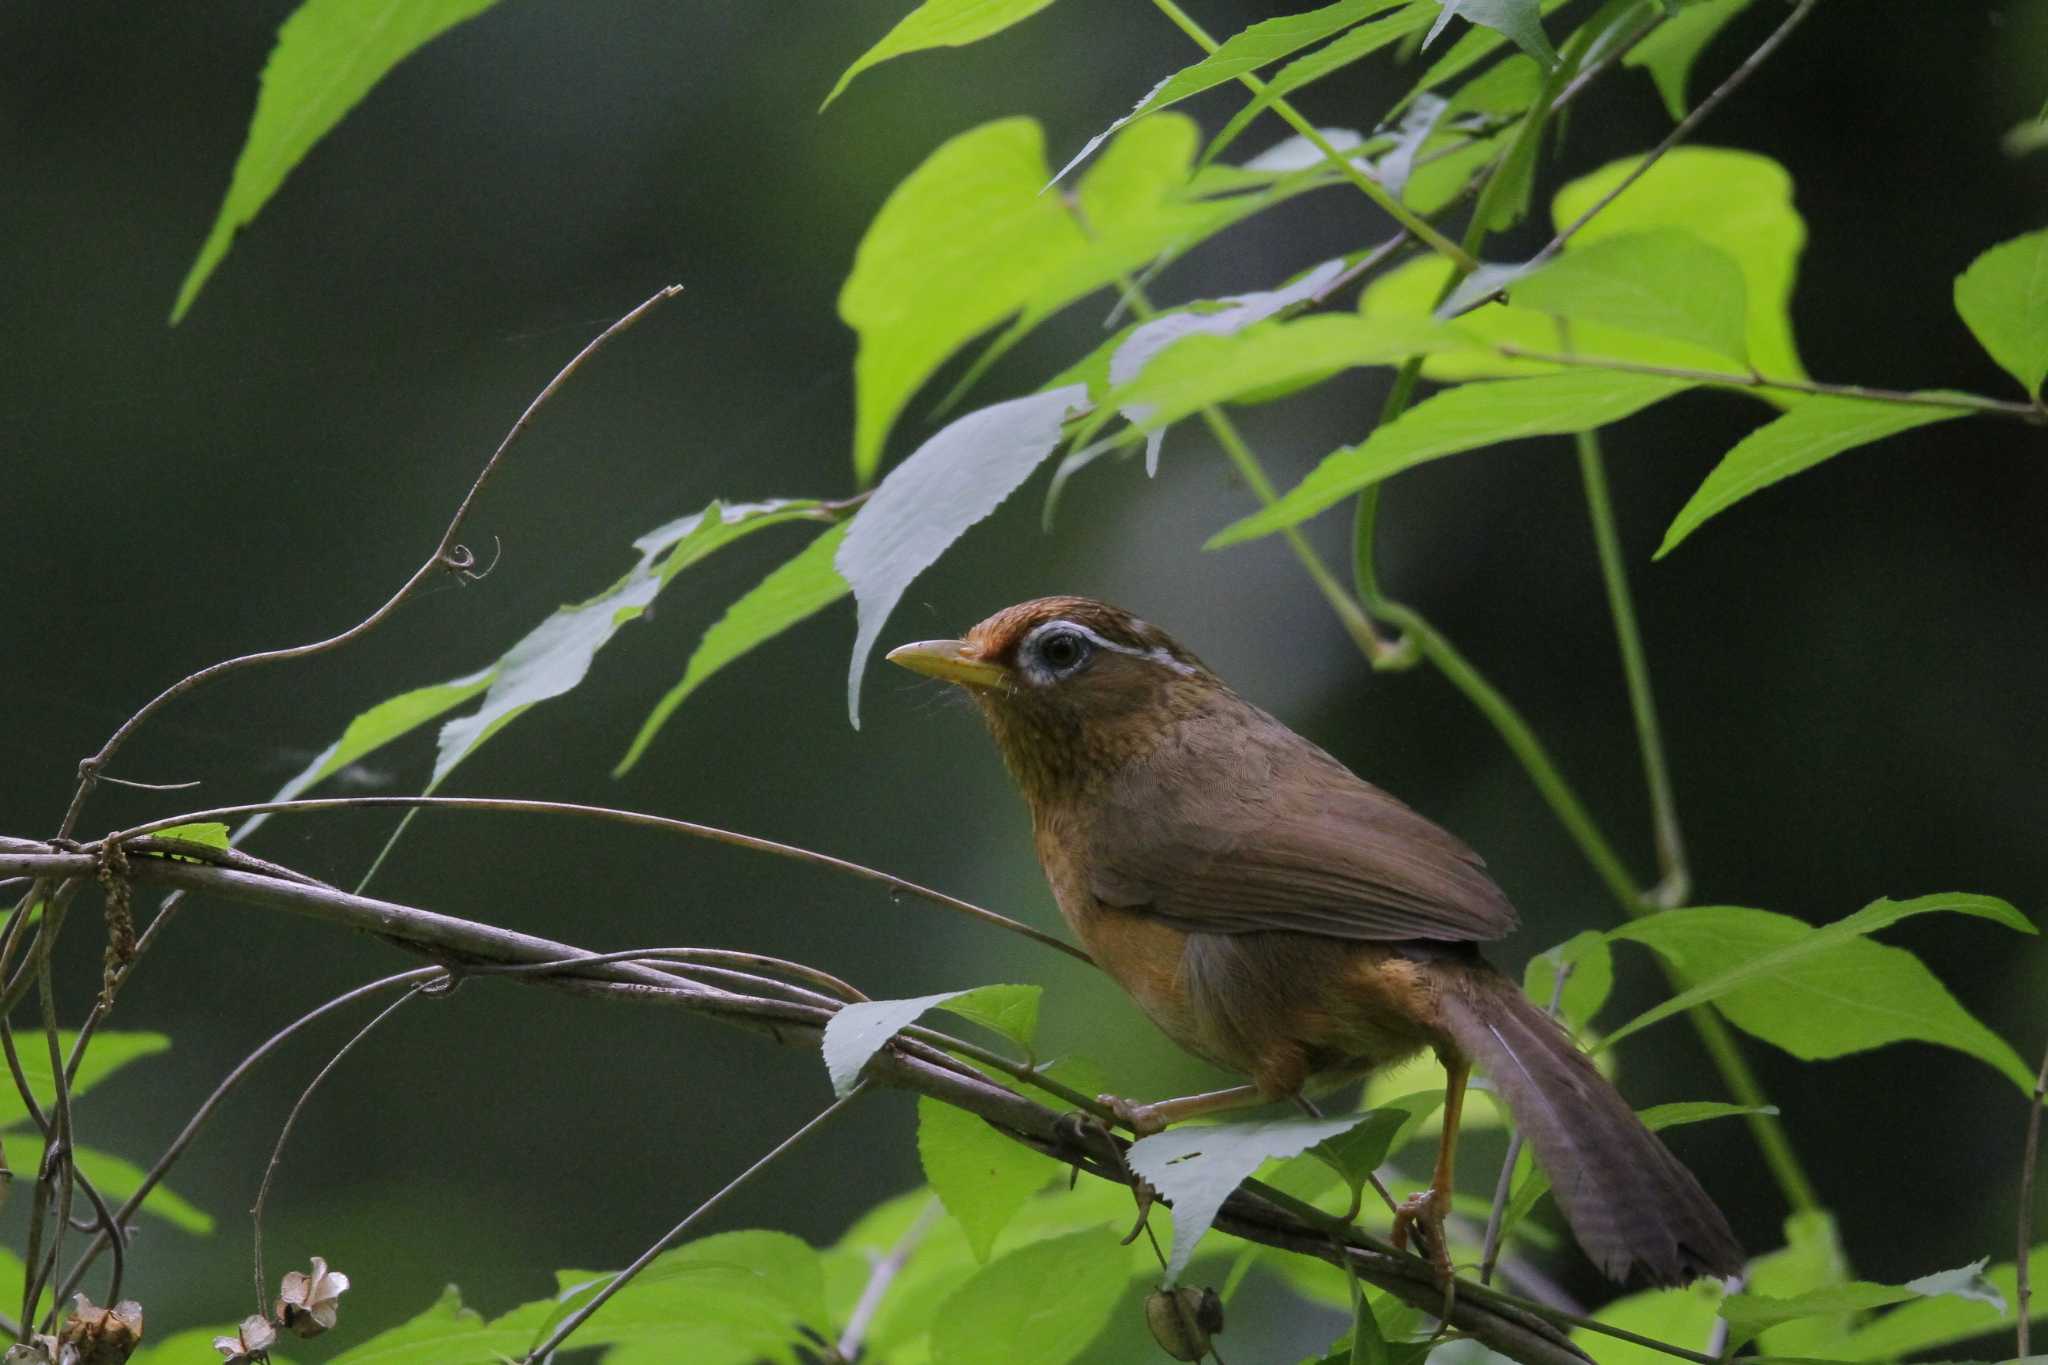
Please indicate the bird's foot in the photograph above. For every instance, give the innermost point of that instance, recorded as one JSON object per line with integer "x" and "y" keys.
{"x": 1421, "y": 1217}
{"x": 1142, "y": 1119}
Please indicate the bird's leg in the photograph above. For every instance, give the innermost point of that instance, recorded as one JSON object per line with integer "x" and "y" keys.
{"x": 1429, "y": 1207}
{"x": 1147, "y": 1119}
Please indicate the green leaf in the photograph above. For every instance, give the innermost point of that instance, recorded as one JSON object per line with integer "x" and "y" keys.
{"x": 939, "y": 23}
{"x": 445, "y": 1334}
{"x": 109, "y": 1052}
{"x": 184, "y": 1348}
{"x": 1010, "y": 1010}
{"x": 1927, "y": 1324}
{"x": 729, "y": 1299}
{"x": 949, "y": 483}
{"x": 1815, "y": 430}
{"x": 2003, "y": 297}
{"x": 981, "y": 1177}
{"x": 117, "y": 1179}
{"x": 556, "y": 655}
{"x": 1585, "y": 990}
{"x": 1359, "y": 1150}
{"x": 1663, "y": 281}
{"x": 1748, "y": 1314}
{"x": 328, "y": 55}
{"x": 1738, "y": 202}
{"x": 1340, "y": 52}
{"x": 1465, "y": 418}
{"x": 1518, "y": 20}
{"x": 1671, "y": 48}
{"x": 795, "y": 592}
{"x": 1195, "y": 1167}
{"x": 1239, "y": 55}
{"x": 1039, "y": 1305}
{"x": 1678, "y": 1317}
{"x": 1201, "y": 369}
{"x": 1821, "y": 992}
{"x": 1811, "y": 1259}
{"x": 965, "y": 241}
{"x": 211, "y": 833}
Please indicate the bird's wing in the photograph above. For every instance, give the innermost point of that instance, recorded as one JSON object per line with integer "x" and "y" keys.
{"x": 1267, "y": 831}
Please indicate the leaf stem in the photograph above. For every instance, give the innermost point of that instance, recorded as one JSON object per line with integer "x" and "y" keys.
{"x": 1371, "y": 188}
{"x": 2024, "y": 1283}
{"x": 1725, "y": 379}
{"x": 1676, "y": 882}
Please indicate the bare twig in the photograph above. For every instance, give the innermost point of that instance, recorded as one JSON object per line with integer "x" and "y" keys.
{"x": 2024, "y": 1289}
{"x": 447, "y": 554}
{"x": 291, "y": 1119}
{"x": 674, "y": 1234}
{"x": 879, "y": 1279}
{"x": 624, "y": 817}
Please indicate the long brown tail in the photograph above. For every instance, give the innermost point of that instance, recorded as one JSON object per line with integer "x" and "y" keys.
{"x": 1639, "y": 1213}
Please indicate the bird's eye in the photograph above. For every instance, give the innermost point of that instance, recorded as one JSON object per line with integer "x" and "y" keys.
{"x": 1062, "y": 651}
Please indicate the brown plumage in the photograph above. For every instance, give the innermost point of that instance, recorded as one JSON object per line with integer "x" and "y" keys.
{"x": 1277, "y": 915}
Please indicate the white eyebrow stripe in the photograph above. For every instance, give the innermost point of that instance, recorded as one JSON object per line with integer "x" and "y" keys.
{"x": 1156, "y": 655}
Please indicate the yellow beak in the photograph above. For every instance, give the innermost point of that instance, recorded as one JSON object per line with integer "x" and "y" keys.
{"x": 950, "y": 661}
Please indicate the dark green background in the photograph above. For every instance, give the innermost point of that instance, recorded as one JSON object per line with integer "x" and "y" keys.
{"x": 1851, "y": 666}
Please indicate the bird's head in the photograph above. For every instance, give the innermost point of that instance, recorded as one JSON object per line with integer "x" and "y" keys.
{"x": 1071, "y": 688}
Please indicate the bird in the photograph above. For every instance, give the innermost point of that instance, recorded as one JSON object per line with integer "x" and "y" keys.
{"x": 1284, "y": 919}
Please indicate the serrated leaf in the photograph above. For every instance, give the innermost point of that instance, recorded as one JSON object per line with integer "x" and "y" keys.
{"x": 949, "y": 483}
{"x": 1928, "y": 1324}
{"x": 1039, "y": 1305}
{"x": 1821, "y": 992}
{"x": 793, "y": 593}
{"x": 1815, "y": 430}
{"x": 1242, "y": 53}
{"x": 1465, "y": 418}
{"x": 1663, "y": 281}
{"x": 1738, "y": 202}
{"x": 939, "y": 23}
{"x": 1196, "y": 1167}
{"x": 857, "y": 1032}
{"x": 961, "y": 244}
{"x": 981, "y": 1177}
{"x": 1338, "y": 53}
{"x": 1586, "y": 988}
{"x": 2003, "y": 297}
{"x": 1748, "y": 1314}
{"x": 1517, "y": 20}
{"x": 329, "y": 54}
{"x": 445, "y": 1334}
{"x": 1670, "y": 49}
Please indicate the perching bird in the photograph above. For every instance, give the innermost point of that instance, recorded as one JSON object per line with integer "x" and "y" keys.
{"x": 1280, "y": 917}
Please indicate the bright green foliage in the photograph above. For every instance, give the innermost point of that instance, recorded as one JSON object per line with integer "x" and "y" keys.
{"x": 328, "y": 56}
{"x": 730, "y": 1299}
{"x": 1815, "y": 430}
{"x": 1680, "y": 1317}
{"x": 1670, "y": 50}
{"x": 1736, "y": 201}
{"x": 212, "y": 833}
{"x": 118, "y": 1179}
{"x": 1469, "y": 417}
{"x": 960, "y": 245}
{"x": 183, "y": 1348}
{"x": 1010, "y": 1010}
{"x": 1262, "y": 43}
{"x": 949, "y": 483}
{"x": 1927, "y": 1324}
{"x": 1811, "y": 1260}
{"x": 1203, "y": 370}
{"x": 1821, "y": 992}
{"x": 1039, "y": 1305}
{"x": 1750, "y": 1313}
{"x": 1357, "y": 1152}
{"x": 939, "y": 23}
{"x": 1515, "y": 19}
{"x": 445, "y": 1334}
{"x": 1477, "y": 44}
{"x": 1196, "y": 1166}
{"x": 1661, "y": 281}
{"x": 1592, "y": 977}
{"x": 981, "y": 1176}
{"x": 796, "y": 591}
{"x": 2003, "y": 297}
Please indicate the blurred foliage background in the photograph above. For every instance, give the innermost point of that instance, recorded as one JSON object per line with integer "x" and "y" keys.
{"x": 1851, "y": 668}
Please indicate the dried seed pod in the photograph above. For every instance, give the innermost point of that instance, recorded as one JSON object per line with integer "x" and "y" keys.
{"x": 1182, "y": 1320}
{"x": 101, "y": 1336}
{"x": 306, "y": 1303}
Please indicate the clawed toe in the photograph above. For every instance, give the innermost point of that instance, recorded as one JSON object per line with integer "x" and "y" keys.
{"x": 1142, "y": 1119}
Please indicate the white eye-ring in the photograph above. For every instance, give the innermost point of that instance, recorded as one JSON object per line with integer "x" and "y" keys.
{"x": 1063, "y": 651}
{"x": 1058, "y": 649}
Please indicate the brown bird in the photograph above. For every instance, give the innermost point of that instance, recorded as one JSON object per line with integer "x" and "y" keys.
{"x": 1280, "y": 917}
